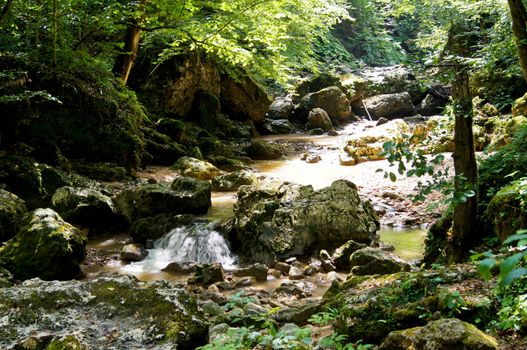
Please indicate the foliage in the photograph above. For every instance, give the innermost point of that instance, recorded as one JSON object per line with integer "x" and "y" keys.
{"x": 413, "y": 161}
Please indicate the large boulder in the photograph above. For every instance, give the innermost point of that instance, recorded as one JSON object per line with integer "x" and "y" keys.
{"x": 111, "y": 311}
{"x": 234, "y": 180}
{"x": 342, "y": 254}
{"x": 244, "y": 98}
{"x": 155, "y": 227}
{"x": 46, "y": 246}
{"x": 12, "y": 210}
{"x": 281, "y": 108}
{"x": 372, "y": 261}
{"x": 86, "y": 206}
{"x": 318, "y": 119}
{"x": 30, "y": 180}
{"x": 185, "y": 196}
{"x": 330, "y": 99}
{"x": 199, "y": 169}
{"x": 272, "y": 223}
{"x": 262, "y": 150}
{"x": 387, "y": 106}
{"x": 276, "y": 126}
{"x": 444, "y": 334}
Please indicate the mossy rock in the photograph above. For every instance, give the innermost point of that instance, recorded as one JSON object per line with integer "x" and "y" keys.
{"x": 155, "y": 227}
{"x": 227, "y": 164}
{"x": 262, "y": 150}
{"x": 174, "y": 128}
{"x": 32, "y": 181}
{"x": 6, "y": 278}
{"x": 89, "y": 113}
{"x": 187, "y": 196}
{"x": 46, "y": 246}
{"x": 377, "y": 305}
{"x": 140, "y": 315}
{"x": 444, "y": 334}
{"x": 507, "y": 210}
{"x": 162, "y": 148}
{"x": 199, "y": 169}
{"x": 102, "y": 171}
{"x": 12, "y": 210}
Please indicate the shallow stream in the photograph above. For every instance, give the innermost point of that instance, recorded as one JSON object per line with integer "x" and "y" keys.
{"x": 208, "y": 246}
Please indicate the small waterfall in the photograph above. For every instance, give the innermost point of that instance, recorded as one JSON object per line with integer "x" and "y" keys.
{"x": 194, "y": 243}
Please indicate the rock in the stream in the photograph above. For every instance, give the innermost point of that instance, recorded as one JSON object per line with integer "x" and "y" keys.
{"x": 233, "y": 181}
{"x": 282, "y": 267}
{"x": 111, "y": 311}
{"x": 199, "y": 169}
{"x": 12, "y": 210}
{"x": 183, "y": 268}
{"x": 262, "y": 150}
{"x": 318, "y": 118}
{"x": 281, "y": 108}
{"x": 272, "y": 223}
{"x": 46, "y": 246}
{"x": 85, "y": 206}
{"x": 185, "y": 196}
{"x": 444, "y": 334}
{"x": 295, "y": 273}
{"x": 155, "y": 227}
{"x": 133, "y": 252}
{"x": 258, "y": 271}
{"x": 330, "y": 99}
{"x": 278, "y": 126}
{"x": 208, "y": 274}
{"x": 342, "y": 254}
{"x": 388, "y": 106}
{"x": 371, "y": 261}
{"x": 298, "y": 315}
{"x": 327, "y": 261}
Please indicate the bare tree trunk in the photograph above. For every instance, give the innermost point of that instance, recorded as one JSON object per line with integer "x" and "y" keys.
{"x": 5, "y": 10}
{"x": 465, "y": 213}
{"x": 124, "y": 63}
{"x": 519, "y": 27}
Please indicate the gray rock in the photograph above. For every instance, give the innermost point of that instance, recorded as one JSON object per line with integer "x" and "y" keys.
{"x": 295, "y": 273}
{"x": 258, "y": 271}
{"x": 85, "y": 206}
{"x": 318, "y": 118}
{"x": 12, "y": 210}
{"x": 183, "y": 268}
{"x": 327, "y": 261}
{"x": 155, "y": 227}
{"x": 281, "y": 108}
{"x": 233, "y": 181}
{"x": 297, "y": 315}
{"x": 186, "y": 196}
{"x": 212, "y": 308}
{"x": 330, "y": 99}
{"x": 46, "y": 246}
{"x": 135, "y": 313}
{"x": 261, "y": 150}
{"x": 208, "y": 274}
{"x": 371, "y": 261}
{"x": 388, "y": 106}
{"x": 444, "y": 334}
{"x": 218, "y": 332}
{"x": 199, "y": 169}
{"x": 279, "y": 126}
{"x": 133, "y": 252}
{"x": 294, "y": 220}
{"x": 282, "y": 267}
{"x": 431, "y": 105}
{"x": 342, "y": 254}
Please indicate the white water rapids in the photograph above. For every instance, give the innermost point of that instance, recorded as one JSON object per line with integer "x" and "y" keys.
{"x": 194, "y": 243}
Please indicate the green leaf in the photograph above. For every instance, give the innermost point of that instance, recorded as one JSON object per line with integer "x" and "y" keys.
{"x": 507, "y": 265}
{"x": 514, "y": 238}
{"x": 514, "y": 275}
{"x": 393, "y": 177}
{"x": 485, "y": 266}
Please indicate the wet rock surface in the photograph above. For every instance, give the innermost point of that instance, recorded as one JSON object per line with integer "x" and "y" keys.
{"x": 108, "y": 312}
{"x": 294, "y": 220}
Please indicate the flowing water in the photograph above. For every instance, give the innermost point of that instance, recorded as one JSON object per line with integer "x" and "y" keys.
{"x": 200, "y": 243}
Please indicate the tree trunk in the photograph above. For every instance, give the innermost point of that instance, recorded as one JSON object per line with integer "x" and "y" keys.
{"x": 6, "y": 10}
{"x": 519, "y": 27}
{"x": 125, "y": 61}
{"x": 465, "y": 213}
